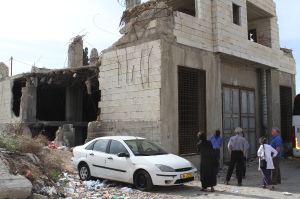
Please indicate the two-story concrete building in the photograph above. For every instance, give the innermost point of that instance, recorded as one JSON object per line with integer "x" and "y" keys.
{"x": 184, "y": 66}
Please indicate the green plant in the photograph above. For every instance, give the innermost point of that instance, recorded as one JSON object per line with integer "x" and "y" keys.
{"x": 23, "y": 144}
{"x": 54, "y": 174}
{"x": 11, "y": 143}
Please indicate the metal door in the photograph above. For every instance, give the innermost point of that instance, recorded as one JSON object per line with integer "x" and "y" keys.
{"x": 238, "y": 110}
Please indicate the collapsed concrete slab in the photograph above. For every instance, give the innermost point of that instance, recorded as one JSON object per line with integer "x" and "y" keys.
{"x": 13, "y": 186}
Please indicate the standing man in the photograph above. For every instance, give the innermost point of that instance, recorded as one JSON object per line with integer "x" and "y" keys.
{"x": 216, "y": 141}
{"x": 276, "y": 143}
{"x": 237, "y": 147}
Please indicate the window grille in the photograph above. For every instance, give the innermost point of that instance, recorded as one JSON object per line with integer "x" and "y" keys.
{"x": 191, "y": 107}
{"x": 286, "y": 102}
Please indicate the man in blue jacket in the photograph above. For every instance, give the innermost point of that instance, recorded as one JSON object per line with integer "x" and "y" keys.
{"x": 216, "y": 141}
{"x": 276, "y": 143}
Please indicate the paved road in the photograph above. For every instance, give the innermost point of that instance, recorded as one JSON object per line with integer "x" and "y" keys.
{"x": 252, "y": 185}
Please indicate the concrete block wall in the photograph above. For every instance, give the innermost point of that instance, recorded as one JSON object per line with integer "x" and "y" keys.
{"x": 146, "y": 129}
{"x": 222, "y": 35}
{"x": 6, "y": 97}
{"x": 195, "y": 31}
{"x": 130, "y": 83}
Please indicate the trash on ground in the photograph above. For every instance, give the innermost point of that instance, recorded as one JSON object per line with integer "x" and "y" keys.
{"x": 287, "y": 193}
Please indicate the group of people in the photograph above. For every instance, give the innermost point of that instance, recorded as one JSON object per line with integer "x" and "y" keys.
{"x": 209, "y": 152}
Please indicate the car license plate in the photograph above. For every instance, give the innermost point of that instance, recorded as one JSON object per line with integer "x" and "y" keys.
{"x": 186, "y": 175}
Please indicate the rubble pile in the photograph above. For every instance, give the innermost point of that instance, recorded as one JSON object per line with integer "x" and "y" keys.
{"x": 70, "y": 186}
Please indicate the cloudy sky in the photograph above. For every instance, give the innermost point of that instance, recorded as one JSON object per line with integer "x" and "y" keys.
{"x": 37, "y": 32}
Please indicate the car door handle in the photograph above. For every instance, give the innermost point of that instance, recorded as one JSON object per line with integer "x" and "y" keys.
{"x": 110, "y": 158}
{"x": 91, "y": 154}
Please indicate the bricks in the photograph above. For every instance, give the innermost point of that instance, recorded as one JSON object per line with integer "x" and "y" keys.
{"x": 132, "y": 75}
{"x": 131, "y": 82}
{"x": 220, "y": 34}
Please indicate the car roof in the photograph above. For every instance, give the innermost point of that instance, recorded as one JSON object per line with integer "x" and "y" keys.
{"x": 121, "y": 137}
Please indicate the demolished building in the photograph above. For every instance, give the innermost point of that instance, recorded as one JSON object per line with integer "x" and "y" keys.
{"x": 43, "y": 100}
{"x": 182, "y": 66}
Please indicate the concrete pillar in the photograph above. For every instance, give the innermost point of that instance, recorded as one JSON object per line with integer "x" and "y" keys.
{"x": 74, "y": 104}
{"x": 263, "y": 94}
{"x": 3, "y": 70}
{"x": 28, "y": 103}
{"x": 94, "y": 57}
{"x": 75, "y": 53}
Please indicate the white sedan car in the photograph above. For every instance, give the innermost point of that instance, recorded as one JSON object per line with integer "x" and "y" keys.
{"x": 133, "y": 160}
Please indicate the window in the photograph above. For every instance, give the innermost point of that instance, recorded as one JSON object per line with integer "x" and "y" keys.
{"x": 116, "y": 147}
{"x": 252, "y": 35}
{"x": 100, "y": 145}
{"x": 236, "y": 14}
{"x": 191, "y": 107}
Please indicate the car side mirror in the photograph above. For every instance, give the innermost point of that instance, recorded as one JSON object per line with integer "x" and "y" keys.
{"x": 123, "y": 155}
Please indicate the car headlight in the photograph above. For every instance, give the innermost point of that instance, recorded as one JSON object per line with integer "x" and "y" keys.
{"x": 165, "y": 168}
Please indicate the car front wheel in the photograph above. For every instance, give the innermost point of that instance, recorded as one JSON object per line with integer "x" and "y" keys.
{"x": 143, "y": 181}
{"x": 84, "y": 172}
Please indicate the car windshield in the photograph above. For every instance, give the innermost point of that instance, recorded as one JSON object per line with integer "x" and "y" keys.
{"x": 143, "y": 147}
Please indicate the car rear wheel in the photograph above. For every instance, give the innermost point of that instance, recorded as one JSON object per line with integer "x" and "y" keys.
{"x": 84, "y": 172}
{"x": 143, "y": 181}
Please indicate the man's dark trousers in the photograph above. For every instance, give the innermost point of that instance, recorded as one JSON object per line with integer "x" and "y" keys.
{"x": 236, "y": 158}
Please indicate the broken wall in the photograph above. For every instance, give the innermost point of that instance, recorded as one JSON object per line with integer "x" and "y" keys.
{"x": 75, "y": 52}
{"x": 3, "y": 70}
{"x": 7, "y": 117}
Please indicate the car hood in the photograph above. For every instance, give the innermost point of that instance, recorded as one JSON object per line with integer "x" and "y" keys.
{"x": 170, "y": 160}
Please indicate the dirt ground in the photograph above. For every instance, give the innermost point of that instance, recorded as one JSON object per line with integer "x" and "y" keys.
{"x": 252, "y": 185}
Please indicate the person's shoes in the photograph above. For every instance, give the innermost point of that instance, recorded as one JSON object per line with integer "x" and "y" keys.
{"x": 239, "y": 184}
{"x": 226, "y": 182}
{"x": 212, "y": 189}
{"x": 264, "y": 186}
{"x": 272, "y": 188}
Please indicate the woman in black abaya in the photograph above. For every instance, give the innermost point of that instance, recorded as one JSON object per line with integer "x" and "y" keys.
{"x": 208, "y": 163}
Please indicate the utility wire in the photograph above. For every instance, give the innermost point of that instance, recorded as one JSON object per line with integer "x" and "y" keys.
{"x": 22, "y": 62}
{"x": 101, "y": 28}
{"x": 7, "y": 60}
{"x": 88, "y": 43}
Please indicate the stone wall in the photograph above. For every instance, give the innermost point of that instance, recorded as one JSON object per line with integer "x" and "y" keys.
{"x": 219, "y": 34}
{"x": 130, "y": 83}
{"x": 148, "y": 129}
{"x": 6, "y": 97}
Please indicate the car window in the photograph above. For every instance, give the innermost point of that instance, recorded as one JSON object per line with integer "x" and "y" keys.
{"x": 90, "y": 146}
{"x": 144, "y": 147}
{"x": 116, "y": 147}
{"x": 100, "y": 145}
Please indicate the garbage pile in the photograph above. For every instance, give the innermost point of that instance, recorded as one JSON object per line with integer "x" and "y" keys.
{"x": 71, "y": 187}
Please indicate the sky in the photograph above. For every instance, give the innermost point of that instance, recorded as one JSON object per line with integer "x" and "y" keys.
{"x": 38, "y": 32}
